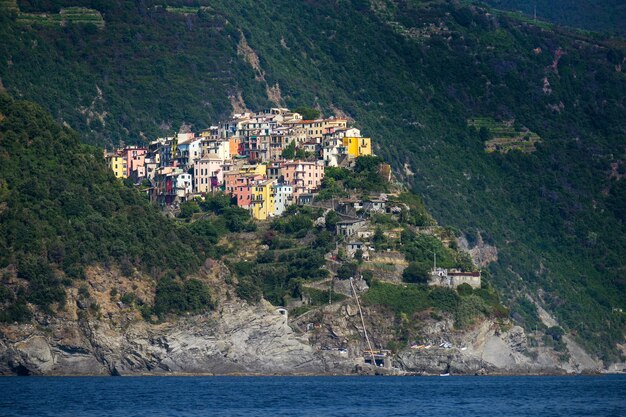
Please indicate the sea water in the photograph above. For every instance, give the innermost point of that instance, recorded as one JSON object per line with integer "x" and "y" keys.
{"x": 314, "y": 396}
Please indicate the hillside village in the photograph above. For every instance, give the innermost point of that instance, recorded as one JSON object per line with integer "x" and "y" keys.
{"x": 271, "y": 160}
{"x": 266, "y": 161}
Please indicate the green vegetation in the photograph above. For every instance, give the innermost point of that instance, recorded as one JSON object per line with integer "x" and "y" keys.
{"x": 173, "y": 296}
{"x": 602, "y": 16}
{"x": 416, "y": 273}
{"x": 184, "y": 10}
{"x": 364, "y": 177}
{"x": 70, "y": 15}
{"x": 61, "y": 210}
{"x": 504, "y": 136}
{"x": 307, "y": 112}
{"x": 465, "y": 305}
{"x": 282, "y": 272}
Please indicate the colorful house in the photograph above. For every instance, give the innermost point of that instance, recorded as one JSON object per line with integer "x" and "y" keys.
{"x": 135, "y": 161}
{"x": 118, "y": 165}
{"x": 217, "y": 148}
{"x": 208, "y": 175}
{"x": 304, "y": 176}
{"x": 234, "y": 144}
{"x": 241, "y": 186}
{"x": 262, "y": 199}
{"x": 257, "y": 169}
{"x": 357, "y": 146}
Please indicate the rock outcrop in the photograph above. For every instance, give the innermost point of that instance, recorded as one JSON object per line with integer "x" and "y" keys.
{"x": 240, "y": 339}
{"x": 488, "y": 350}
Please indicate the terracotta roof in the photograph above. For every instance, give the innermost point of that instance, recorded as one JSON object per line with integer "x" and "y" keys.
{"x": 467, "y": 274}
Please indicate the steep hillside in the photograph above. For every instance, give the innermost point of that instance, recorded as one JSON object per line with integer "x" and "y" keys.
{"x": 61, "y": 211}
{"x": 90, "y": 272}
{"x": 601, "y": 16}
{"x": 412, "y": 73}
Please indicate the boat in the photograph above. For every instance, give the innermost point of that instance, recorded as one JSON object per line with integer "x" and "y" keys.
{"x": 447, "y": 372}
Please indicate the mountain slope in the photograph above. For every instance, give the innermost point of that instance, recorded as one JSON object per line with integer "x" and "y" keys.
{"x": 412, "y": 73}
{"x": 601, "y": 16}
{"x": 61, "y": 210}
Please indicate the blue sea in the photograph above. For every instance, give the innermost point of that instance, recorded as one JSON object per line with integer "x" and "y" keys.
{"x": 314, "y": 396}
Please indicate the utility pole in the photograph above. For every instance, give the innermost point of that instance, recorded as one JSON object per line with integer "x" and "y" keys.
{"x": 330, "y": 291}
{"x": 367, "y": 339}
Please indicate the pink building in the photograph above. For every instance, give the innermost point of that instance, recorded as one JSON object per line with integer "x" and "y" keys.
{"x": 135, "y": 161}
{"x": 305, "y": 177}
{"x": 242, "y": 188}
{"x": 208, "y": 175}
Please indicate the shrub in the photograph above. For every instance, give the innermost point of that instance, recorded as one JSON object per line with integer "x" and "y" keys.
{"x": 347, "y": 270}
{"x": 444, "y": 299}
{"x": 249, "y": 291}
{"x": 416, "y": 273}
{"x": 464, "y": 289}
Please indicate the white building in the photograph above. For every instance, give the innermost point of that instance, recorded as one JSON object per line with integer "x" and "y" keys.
{"x": 332, "y": 151}
{"x": 452, "y": 278}
{"x": 184, "y": 185}
{"x": 219, "y": 149}
{"x": 283, "y": 198}
{"x": 195, "y": 150}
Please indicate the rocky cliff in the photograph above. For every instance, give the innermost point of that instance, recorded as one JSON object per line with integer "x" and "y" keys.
{"x": 244, "y": 339}
{"x": 239, "y": 338}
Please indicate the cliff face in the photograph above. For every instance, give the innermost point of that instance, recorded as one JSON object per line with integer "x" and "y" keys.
{"x": 240, "y": 339}
{"x": 95, "y": 333}
{"x": 486, "y": 349}
{"x": 244, "y": 339}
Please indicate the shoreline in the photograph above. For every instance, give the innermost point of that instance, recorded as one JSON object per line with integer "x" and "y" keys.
{"x": 281, "y": 375}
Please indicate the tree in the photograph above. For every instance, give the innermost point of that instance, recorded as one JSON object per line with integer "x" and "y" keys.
{"x": 307, "y": 112}
{"x": 368, "y": 276}
{"x": 464, "y": 289}
{"x": 379, "y": 237}
{"x": 367, "y": 163}
{"x": 484, "y": 134}
{"x": 290, "y": 151}
{"x": 332, "y": 218}
{"x": 416, "y": 273}
{"x": 347, "y": 270}
{"x": 302, "y": 154}
{"x": 187, "y": 209}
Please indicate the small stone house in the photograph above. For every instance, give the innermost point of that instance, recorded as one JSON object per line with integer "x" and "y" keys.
{"x": 349, "y": 227}
{"x": 441, "y": 277}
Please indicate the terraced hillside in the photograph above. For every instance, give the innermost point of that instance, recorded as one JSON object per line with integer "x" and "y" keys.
{"x": 504, "y": 136}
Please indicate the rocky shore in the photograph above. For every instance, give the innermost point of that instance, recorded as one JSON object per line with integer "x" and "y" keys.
{"x": 241, "y": 339}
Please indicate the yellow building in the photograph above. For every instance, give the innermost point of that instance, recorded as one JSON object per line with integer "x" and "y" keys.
{"x": 258, "y": 169}
{"x": 356, "y": 147}
{"x": 262, "y": 201}
{"x": 117, "y": 164}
